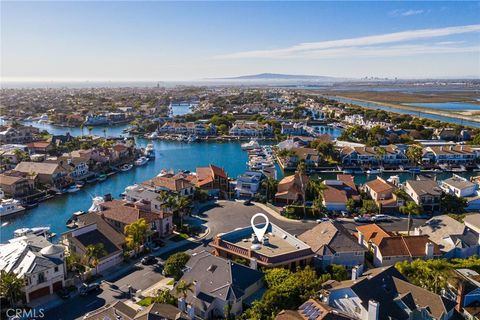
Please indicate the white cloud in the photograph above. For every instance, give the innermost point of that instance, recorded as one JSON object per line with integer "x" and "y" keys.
{"x": 306, "y": 49}
{"x": 405, "y": 13}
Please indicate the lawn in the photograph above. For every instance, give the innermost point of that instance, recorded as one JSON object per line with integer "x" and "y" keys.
{"x": 179, "y": 237}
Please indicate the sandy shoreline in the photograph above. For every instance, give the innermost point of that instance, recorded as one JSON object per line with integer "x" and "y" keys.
{"x": 469, "y": 115}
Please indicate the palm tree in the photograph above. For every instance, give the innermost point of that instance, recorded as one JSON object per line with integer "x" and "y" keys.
{"x": 11, "y": 287}
{"x": 90, "y": 129}
{"x": 380, "y": 153}
{"x": 105, "y": 133}
{"x": 93, "y": 253}
{"x": 183, "y": 288}
{"x": 136, "y": 233}
{"x": 270, "y": 186}
{"x": 410, "y": 208}
{"x": 82, "y": 126}
{"x": 301, "y": 170}
{"x": 183, "y": 207}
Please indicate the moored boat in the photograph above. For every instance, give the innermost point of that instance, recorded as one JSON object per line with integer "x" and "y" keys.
{"x": 250, "y": 145}
{"x": 141, "y": 161}
{"x": 10, "y": 206}
{"x": 126, "y": 167}
{"x": 102, "y": 177}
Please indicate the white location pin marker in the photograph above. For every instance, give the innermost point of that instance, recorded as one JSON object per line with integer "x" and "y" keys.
{"x": 259, "y": 232}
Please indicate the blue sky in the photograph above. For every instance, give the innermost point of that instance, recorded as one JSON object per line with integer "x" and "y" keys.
{"x": 195, "y": 40}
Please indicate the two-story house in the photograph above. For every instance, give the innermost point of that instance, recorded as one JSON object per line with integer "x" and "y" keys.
{"x": 382, "y": 192}
{"x": 247, "y": 184}
{"x": 40, "y": 263}
{"x": 425, "y": 193}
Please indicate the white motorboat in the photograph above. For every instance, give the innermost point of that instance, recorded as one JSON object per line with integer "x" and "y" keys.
{"x": 192, "y": 138}
{"x": 72, "y": 189}
{"x": 38, "y": 231}
{"x": 149, "y": 151}
{"x": 141, "y": 161}
{"x": 96, "y": 204}
{"x": 250, "y": 145}
{"x": 126, "y": 167}
{"x": 153, "y": 135}
{"x": 374, "y": 171}
{"x": 10, "y": 206}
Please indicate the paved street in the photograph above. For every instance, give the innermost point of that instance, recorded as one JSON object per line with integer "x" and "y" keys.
{"x": 219, "y": 217}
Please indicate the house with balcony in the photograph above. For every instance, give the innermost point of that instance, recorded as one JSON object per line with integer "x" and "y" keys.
{"x": 382, "y": 192}
{"x": 17, "y": 185}
{"x": 247, "y": 184}
{"x": 244, "y": 128}
{"x": 425, "y": 193}
{"x": 47, "y": 173}
{"x": 179, "y": 184}
{"x": 40, "y": 263}
{"x": 18, "y": 134}
{"x": 449, "y": 154}
{"x": 294, "y": 129}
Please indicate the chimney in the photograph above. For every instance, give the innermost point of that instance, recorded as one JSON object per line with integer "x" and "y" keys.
{"x": 196, "y": 288}
{"x": 429, "y": 249}
{"x": 417, "y": 231}
{"x": 373, "y": 310}
{"x": 360, "y": 238}
{"x": 253, "y": 264}
{"x": 355, "y": 273}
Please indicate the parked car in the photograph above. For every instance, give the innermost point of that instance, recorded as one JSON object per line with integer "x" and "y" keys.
{"x": 64, "y": 293}
{"x": 88, "y": 288}
{"x": 149, "y": 260}
{"x": 248, "y": 202}
{"x": 380, "y": 218}
{"x": 362, "y": 219}
{"x": 323, "y": 220}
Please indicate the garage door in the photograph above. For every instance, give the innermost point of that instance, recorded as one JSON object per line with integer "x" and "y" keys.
{"x": 57, "y": 286}
{"x": 39, "y": 293}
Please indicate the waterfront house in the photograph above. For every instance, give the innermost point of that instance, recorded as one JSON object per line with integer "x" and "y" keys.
{"x": 458, "y": 186}
{"x": 39, "y": 147}
{"x": 332, "y": 243}
{"x": 425, "y": 193}
{"x": 77, "y": 167}
{"x": 295, "y": 142}
{"x": 51, "y": 174}
{"x": 388, "y": 249}
{"x": 453, "y": 237}
{"x": 448, "y": 134}
{"x": 384, "y": 293}
{"x": 17, "y": 185}
{"x": 213, "y": 179}
{"x": 178, "y": 184}
{"x": 120, "y": 213}
{"x": 450, "y": 154}
{"x": 18, "y": 134}
{"x": 217, "y": 283}
{"x": 291, "y": 189}
{"x": 195, "y": 128}
{"x": 40, "y": 263}
{"x": 92, "y": 230}
{"x": 278, "y": 248}
{"x": 389, "y": 155}
{"x": 293, "y": 128}
{"x": 244, "y": 128}
{"x": 382, "y": 192}
{"x": 309, "y": 155}
{"x": 338, "y": 192}
{"x": 121, "y": 311}
{"x": 247, "y": 184}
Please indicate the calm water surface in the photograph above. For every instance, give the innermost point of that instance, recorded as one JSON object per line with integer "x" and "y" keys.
{"x": 454, "y": 106}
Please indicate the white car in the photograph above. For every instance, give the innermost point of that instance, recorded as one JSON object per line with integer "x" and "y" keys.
{"x": 362, "y": 219}
{"x": 380, "y": 218}
{"x": 323, "y": 220}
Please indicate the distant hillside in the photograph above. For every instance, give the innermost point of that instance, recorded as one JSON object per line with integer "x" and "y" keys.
{"x": 279, "y": 76}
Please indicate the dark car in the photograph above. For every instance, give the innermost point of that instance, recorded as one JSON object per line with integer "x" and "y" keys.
{"x": 88, "y": 288}
{"x": 149, "y": 260}
{"x": 248, "y": 202}
{"x": 64, "y": 293}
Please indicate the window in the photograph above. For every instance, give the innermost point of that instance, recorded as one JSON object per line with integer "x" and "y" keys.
{"x": 41, "y": 278}
{"x": 56, "y": 269}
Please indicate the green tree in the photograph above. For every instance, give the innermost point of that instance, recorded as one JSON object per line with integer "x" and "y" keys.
{"x": 183, "y": 288}
{"x": 94, "y": 252}
{"x": 175, "y": 263}
{"x": 337, "y": 272}
{"x": 301, "y": 171}
{"x": 183, "y": 206}
{"x": 453, "y": 204}
{"x": 414, "y": 153}
{"x": 11, "y": 287}
{"x": 164, "y": 296}
{"x": 369, "y": 206}
{"x": 135, "y": 234}
{"x": 90, "y": 129}
{"x": 270, "y": 185}
{"x": 350, "y": 205}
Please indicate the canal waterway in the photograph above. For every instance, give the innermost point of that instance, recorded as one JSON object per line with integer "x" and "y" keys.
{"x": 416, "y": 113}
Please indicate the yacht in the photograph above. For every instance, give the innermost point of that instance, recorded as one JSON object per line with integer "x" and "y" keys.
{"x": 192, "y": 138}
{"x": 72, "y": 189}
{"x": 96, "y": 204}
{"x": 39, "y": 231}
{"x": 141, "y": 161}
{"x": 250, "y": 145}
{"x": 153, "y": 135}
{"x": 10, "y": 206}
{"x": 149, "y": 151}
{"x": 126, "y": 167}
{"x": 102, "y": 177}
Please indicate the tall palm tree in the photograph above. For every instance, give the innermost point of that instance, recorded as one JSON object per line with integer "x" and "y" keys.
{"x": 270, "y": 186}
{"x": 183, "y": 207}
{"x": 410, "y": 208}
{"x": 380, "y": 152}
{"x": 183, "y": 288}
{"x": 93, "y": 253}
{"x": 11, "y": 287}
{"x": 82, "y": 126}
{"x": 301, "y": 171}
{"x": 90, "y": 129}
